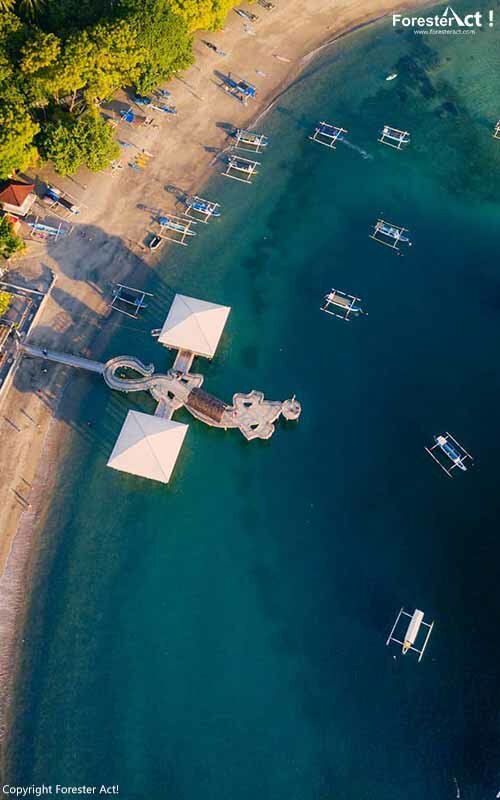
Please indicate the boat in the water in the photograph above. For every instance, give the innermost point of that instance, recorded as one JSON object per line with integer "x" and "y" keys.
{"x": 452, "y": 451}
{"x": 392, "y": 76}
{"x": 393, "y": 231}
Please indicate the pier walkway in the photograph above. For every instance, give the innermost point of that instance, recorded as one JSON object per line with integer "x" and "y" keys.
{"x": 250, "y": 413}
{"x": 63, "y": 358}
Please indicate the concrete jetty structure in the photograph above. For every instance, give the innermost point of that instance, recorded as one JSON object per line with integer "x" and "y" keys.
{"x": 148, "y": 445}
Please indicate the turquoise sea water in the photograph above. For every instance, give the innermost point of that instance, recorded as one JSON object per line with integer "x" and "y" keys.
{"x": 224, "y": 637}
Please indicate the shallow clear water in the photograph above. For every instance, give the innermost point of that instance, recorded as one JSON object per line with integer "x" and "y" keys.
{"x": 225, "y": 636}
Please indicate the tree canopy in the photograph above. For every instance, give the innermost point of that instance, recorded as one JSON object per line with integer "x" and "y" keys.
{"x": 60, "y": 58}
{"x": 5, "y": 301}
{"x": 71, "y": 142}
{"x": 10, "y": 242}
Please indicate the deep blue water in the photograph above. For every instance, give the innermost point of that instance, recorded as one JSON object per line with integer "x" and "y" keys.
{"x": 224, "y": 637}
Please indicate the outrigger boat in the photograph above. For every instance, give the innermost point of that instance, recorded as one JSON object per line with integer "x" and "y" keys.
{"x": 393, "y": 137}
{"x": 177, "y": 227}
{"x": 131, "y": 298}
{"x": 245, "y": 166}
{"x": 250, "y": 141}
{"x": 452, "y": 450}
{"x": 344, "y": 305}
{"x": 412, "y": 631}
{"x": 55, "y": 196}
{"x": 239, "y": 88}
{"x": 389, "y": 234}
{"x": 205, "y": 208}
{"x": 327, "y": 134}
{"x": 496, "y": 135}
{"x": 142, "y": 100}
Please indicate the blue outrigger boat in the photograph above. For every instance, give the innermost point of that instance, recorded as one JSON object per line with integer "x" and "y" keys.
{"x": 452, "y": 450}
{"x": 179, "y": 227}
{"x": 389, "y": 234}
{"x": 327, "y": 134}
{"x": 205, "y": 207}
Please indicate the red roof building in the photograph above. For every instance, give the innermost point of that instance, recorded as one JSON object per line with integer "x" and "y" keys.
{"x": 17, "y": 197}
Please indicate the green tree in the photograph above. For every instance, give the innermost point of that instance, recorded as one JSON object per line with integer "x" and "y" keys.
{"x": 162, "y": 39}
{"x": 39, "y": 68}
{"x": 76, "y": 15}
{"x": 30, "y": 9}
{"x": 10, "y": 243}
{"x": 17, "y": 132}
{"x": 115, "y": 58}
{"x": 75, "y": 66}
{"x": 97, "y": 142}
{"x": 69, "y": 143}
{"x": 5, "y": 301}
{"x": 39, "y": 52}
{"x": 202, "y": 14}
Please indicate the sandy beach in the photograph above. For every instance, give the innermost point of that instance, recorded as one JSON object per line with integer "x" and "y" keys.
{"x": 108, "y": 244}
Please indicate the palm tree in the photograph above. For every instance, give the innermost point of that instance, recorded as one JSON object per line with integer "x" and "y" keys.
{"x": 28, "y": 8}
{"x": 6, "y": 5}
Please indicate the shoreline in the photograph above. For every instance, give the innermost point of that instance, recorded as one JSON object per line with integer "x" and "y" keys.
{"x": 87, "y": 310}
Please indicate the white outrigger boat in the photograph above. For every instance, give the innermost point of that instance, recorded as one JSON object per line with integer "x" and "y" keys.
{"x": 389, "y": 234}
{"x": 205, "y": 209}
{"x": 327, "y": 134}
{"x": 242, "y": 166}
{"x": 392, "y": 76}
{"x": 393, "y": 137}
{"x": 343, "y": 305}
{"x": 412, "y": 631}
{"x": 175, "y": 229}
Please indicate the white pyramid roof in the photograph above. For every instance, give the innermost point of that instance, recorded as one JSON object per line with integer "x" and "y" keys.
{"x": 194, "y": 325}
{"x": 148, "y": 446}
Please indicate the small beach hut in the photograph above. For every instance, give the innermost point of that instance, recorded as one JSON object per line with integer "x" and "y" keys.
{"x": 148, "y": 446}
{"x": 17, "y": 197}
{"x": 194, "y": 325}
